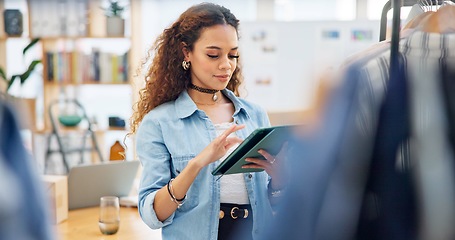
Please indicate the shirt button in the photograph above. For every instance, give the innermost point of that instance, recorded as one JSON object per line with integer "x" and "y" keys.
{"x": 250, "y": 175}
{"x": 236, "y": 121}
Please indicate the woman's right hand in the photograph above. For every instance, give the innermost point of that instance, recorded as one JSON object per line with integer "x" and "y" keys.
{"x": 219, "y": 146}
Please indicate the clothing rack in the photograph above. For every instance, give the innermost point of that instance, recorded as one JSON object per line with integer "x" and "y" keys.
{"x": 429, "y": 209}
{"x": 396, "y": 21}
{"x": 388, "y": 6}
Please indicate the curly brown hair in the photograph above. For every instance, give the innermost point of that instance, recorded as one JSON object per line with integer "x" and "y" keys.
{"x": 165, "y": 78}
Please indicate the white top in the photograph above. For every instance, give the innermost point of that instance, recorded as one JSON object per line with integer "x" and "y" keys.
{"x": 233, "y": 187}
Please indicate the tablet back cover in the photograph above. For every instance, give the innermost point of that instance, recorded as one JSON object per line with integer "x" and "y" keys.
{"x": 270, "y": 139}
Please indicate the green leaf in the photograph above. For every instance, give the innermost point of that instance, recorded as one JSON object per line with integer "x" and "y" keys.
{"x": 31, "y": 44}
{"x": 3, "y": 75}
{"x": 24, "y": 76}
{"x": 10, "y": 83}
{"x": 114, "y": 9}
{"x": 30, "y": 69}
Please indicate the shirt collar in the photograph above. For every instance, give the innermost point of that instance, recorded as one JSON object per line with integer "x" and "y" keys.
{"x": 185, "y": 106}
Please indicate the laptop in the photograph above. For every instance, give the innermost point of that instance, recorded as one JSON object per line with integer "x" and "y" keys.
{"x": 87, "y": 183}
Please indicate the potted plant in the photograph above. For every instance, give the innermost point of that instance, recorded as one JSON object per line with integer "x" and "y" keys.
{"x": 115, "y": 24}
{"x": 23, "y": 76}
{"x": 26, "y": 106}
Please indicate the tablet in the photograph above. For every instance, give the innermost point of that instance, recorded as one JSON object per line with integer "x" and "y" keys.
{"x": 270, "y": 139}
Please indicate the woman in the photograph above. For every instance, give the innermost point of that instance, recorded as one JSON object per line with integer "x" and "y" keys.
{"x": 188, "y": 118}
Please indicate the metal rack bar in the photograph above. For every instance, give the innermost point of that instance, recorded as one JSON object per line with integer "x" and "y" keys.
{"x": 388, "y": 6}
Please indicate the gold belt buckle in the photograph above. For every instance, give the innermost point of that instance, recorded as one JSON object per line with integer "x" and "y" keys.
{"x": 245, "y": 213}
{"x": 232, "y": 212}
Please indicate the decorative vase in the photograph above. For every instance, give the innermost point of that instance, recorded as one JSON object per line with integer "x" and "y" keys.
{"x": 117, "y": 152}
{"x": 115, "y": 26}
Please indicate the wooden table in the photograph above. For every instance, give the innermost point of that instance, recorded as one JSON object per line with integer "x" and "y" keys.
{"x": 83, "y": 224}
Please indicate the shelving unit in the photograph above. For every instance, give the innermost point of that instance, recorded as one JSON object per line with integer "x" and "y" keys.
{"x": 87, "y": 62}
{"x": 12, "y": 45}
{"x": 84, "y": 61}
{"x": 79, "y": 53}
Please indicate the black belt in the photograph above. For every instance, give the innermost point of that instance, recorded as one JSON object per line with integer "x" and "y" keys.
{"x": 235, "y": 211}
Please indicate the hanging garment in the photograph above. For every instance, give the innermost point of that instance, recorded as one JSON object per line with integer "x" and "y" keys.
{"x": 448, "y": 88}
{"x": 419, "y": 202}
{"x": 336, "y": 187}
{"x": 416, "y": 10}
{"x": 24, "y": 212}
{"x": 433, "y": 168}
{"x": 388, "y": 209}
{"x": 321, "y": 197}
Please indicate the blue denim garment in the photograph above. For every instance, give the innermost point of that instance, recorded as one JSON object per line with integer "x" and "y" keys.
{"x": 167, "y": 139}
{"x": 24, "y": 210}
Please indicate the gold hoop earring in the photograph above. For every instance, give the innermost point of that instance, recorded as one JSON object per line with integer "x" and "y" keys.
{"x": 186, "y": 65}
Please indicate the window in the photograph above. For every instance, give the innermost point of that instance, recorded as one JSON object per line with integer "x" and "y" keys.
{"x": 304, "y": 10}
{"x": 375, "y": 10}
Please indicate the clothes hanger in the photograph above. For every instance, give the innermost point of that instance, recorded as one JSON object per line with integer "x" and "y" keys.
{"x": 424, "y": 5}
{"x": 416, "y": 10}
{"x": 418, "y": 13}
{"x": 447, "y": 2}
{"x": 442, "y": 21}
{"x": 416, "y": 21}
{"x": 388, "y": 6}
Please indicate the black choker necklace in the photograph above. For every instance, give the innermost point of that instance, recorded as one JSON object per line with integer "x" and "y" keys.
{"x": 206, "y": 90}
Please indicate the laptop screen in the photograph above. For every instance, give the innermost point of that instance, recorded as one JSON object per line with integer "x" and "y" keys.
{"x": 87, "y": 183}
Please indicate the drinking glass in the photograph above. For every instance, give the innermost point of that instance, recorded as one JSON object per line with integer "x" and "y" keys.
{"x": 109, "y": 220}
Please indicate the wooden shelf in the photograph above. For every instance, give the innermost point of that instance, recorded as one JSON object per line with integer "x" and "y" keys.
{"x": 69, "y": 38}
{"x": 110, "y": 129}
{"x": 6, "y": 37}
{"x": 64, "y": 129}
{"x": 56, "y": 84}
{"x": 65, "y": 38}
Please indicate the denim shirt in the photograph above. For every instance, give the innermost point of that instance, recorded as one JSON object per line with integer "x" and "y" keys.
{"x": 168, "y": 138}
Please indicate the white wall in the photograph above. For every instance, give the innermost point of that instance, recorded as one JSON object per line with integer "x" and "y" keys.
{"x": 311, "y": 10}
{"x": 300, "y": 49}
{"x": 282, "y": 61}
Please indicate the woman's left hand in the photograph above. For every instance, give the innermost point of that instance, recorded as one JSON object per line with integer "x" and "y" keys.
{"x": 273, "y": 165}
